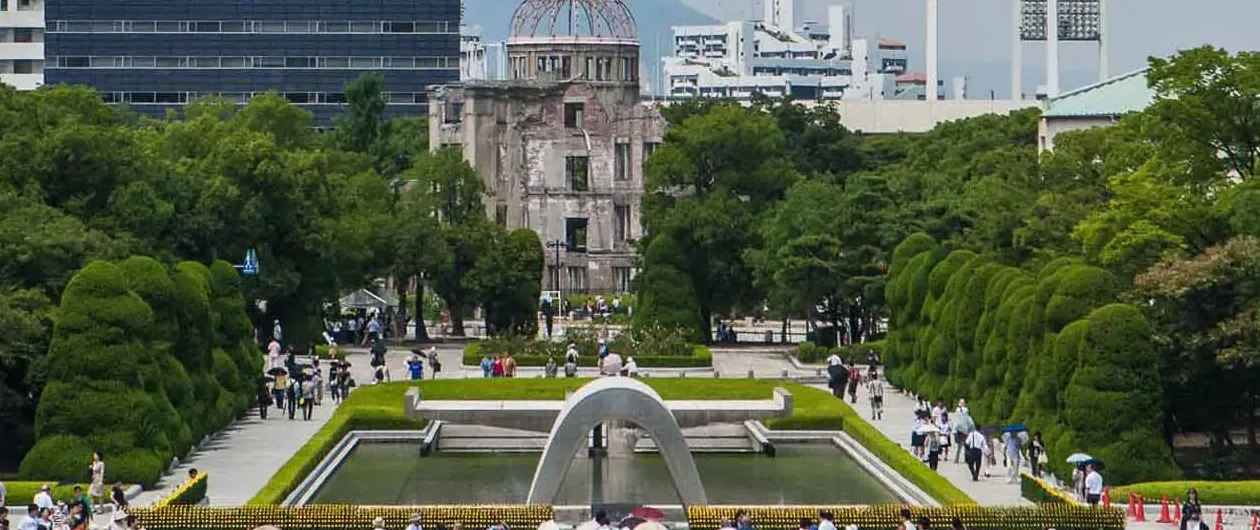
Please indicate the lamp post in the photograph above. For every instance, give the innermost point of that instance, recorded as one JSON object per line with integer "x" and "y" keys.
{"x": 555, "y": 247}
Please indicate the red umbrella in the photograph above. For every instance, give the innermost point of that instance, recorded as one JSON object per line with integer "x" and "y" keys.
{"x": 644, "y": 512}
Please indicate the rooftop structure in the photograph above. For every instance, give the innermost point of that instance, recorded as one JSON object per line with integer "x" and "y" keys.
{"x": 813, "y": 61}
{"x": 1098, "y": 105}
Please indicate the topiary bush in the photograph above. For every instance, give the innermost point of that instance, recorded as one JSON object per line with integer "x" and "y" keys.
{"x": 666, "y": 295}
{"x": 63, "y": 457}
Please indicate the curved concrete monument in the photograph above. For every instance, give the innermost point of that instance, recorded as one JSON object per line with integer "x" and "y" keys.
{"x": 615, "y": 398}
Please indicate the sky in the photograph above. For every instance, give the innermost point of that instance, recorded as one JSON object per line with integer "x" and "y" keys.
{"x": 974, "y": 40}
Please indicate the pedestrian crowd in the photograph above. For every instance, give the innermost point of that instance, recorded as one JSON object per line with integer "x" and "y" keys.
{"x": 936, "y": 431}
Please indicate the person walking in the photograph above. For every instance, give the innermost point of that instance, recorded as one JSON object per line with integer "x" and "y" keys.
{"x": 875, "y": 393}
{"x": 1094, "y": 486}
{"x": 291, "y": 391}
{"x": 308, "y": 398}
{"x": 1011, "y": 441}
{"x": 974, "y": 446}
{"x": 96, "y": 488}
{"x": 435, "y": 364}
{"x": 855, "y": 379}
{"x": 932, "y": 443}
{"x": 487, "y": 366}
{"x": 1036, "y": 453}
{"x": 947, "y": 432}
{"x": 273, "y": 354}
{"x": 1192, "y": 512}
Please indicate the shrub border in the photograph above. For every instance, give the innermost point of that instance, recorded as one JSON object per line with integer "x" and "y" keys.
{"x": 701, "y": 357}
{"x": 1215, "y": 492}
{"x": 338, "y": 516}
{"x": 1061, "y": 517}
{"x": 1041, "y": 492}
{"x": 190, "y": 492}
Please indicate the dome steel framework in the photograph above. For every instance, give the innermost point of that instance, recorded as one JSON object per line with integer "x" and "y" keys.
{"x": 574, "y": 18}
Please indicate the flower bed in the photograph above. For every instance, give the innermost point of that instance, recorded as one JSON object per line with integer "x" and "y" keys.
{"x": 1060, "y": 517}
{"x": 1041, "y": 492}
{"x": 338, "y": 517}
{"x": 700, "y": 357}
{"x": 190, "y": 492}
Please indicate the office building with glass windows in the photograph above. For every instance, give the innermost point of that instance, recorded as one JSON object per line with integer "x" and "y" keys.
{"x": 155, "y": 55}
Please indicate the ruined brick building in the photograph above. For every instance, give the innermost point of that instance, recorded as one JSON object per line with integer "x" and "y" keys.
{"x": 560, "y": 144}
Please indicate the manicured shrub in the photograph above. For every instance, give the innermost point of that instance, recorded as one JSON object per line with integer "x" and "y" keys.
{"x": 137, "y": 466}
{"x": 666, "y": 296}
{"x": 60, "y": 457}
{"x": 1108, "y": 398}
{"x": 192, "y": 310}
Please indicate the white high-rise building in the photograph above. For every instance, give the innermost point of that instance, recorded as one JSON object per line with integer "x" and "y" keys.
{"x": 22, "y": 43}
{"x": 775, "y": 57}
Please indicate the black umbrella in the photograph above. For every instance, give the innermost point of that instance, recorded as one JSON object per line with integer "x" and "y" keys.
{"x": 277, "y": 371}
{"x": 631, "y": 522}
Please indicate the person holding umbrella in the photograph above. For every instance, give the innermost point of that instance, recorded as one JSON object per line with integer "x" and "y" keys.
{"x": 264, "y": 397}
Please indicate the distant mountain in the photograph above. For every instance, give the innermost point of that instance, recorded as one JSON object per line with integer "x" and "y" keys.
{"x": 653, "y": 17}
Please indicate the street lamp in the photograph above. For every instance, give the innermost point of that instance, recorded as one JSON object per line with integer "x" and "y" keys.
{"x": 555, "y": 247}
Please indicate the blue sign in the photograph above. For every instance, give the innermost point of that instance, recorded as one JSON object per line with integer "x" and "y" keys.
{"x": 251, "y": 263}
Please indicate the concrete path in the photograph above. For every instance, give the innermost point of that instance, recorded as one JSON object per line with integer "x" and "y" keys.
{"x": 244, "y": 456}
{"x": 896, "y": 424}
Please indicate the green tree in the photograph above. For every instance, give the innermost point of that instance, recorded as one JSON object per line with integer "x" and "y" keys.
{"x": 449, "y": 191}
{"x": 707, "y": 186}
{"x": 508, "y": 281}
{"x": 665, "y": 295}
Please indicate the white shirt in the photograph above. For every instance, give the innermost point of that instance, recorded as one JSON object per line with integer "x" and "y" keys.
{"x": 612, "y": 364}
{"x": 826, "y": 525}
{"x": 29, "y": 523}
{"x": 1093, "y": 483}
{"x": 632, "y": 368}
{"x": 937, "y": 411}
{"x": 832, "y": 361}
{"x": 43, "y": 500}
{"x": 908, "y": 525}
{"x": 975, "y": 440}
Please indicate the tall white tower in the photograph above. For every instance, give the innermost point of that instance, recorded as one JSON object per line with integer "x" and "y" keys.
{"x": 781, "y": 13}
{"x": 1052, "y": 48}
{"x": 930, "y": 93}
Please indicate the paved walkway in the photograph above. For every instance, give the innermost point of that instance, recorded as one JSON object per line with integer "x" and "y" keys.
{"x": 244, "y": 456}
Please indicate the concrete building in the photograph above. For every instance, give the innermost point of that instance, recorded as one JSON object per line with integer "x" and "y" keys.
{"x": 560, "y": 144}
{"x": 156, "y": 56}
{"x": 1098, "y": 105}
{"x": 22, "y": 43}
{"x": 775, "y": 57}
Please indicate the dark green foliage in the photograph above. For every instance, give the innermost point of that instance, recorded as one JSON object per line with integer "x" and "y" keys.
{"x": 666, "y": 296}
{"x": 509, "y": 282}
{"x": 60, "y": 455}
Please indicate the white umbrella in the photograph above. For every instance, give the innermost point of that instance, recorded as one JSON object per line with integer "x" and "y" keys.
{"x": 1078, "y": 458}
{"x": 926, "y": 428}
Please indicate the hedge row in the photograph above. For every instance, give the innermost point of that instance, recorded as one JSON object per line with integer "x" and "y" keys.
{"x": 809, "y": 352}
{"x": 144, "y": 360}
{"x": 701, "y": 357}
{"x": 367, "y": 408}
{"x": 379, "y": 407}
{"x": 1041, "y": 492}
{"x": 1226, "y": 493}
{"x": 1046, "y": 350}
{"x": 339, "y": 517}
{"x": 189, "y": 493}
{"x": 1060, "y": 517}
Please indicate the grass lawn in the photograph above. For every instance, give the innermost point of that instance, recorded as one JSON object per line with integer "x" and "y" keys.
{"x": 22, "y": 493}
{"x": 380, "y": 407}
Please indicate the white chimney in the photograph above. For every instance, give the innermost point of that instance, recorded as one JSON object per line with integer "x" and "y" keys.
{"x": 838, "y": 25}
{"x": 931, "y": 93}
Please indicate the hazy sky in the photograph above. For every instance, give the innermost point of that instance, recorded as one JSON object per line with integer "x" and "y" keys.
{"x": 975, "y": 41}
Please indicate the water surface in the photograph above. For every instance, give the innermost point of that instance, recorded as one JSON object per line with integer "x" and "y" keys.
{"x": 394, "y": 473}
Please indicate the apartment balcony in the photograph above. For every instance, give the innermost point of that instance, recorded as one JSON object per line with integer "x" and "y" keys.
{"x": 23, "y": 81}
{"x": 29, "y": 51}
{"x": 21, "y": 19}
